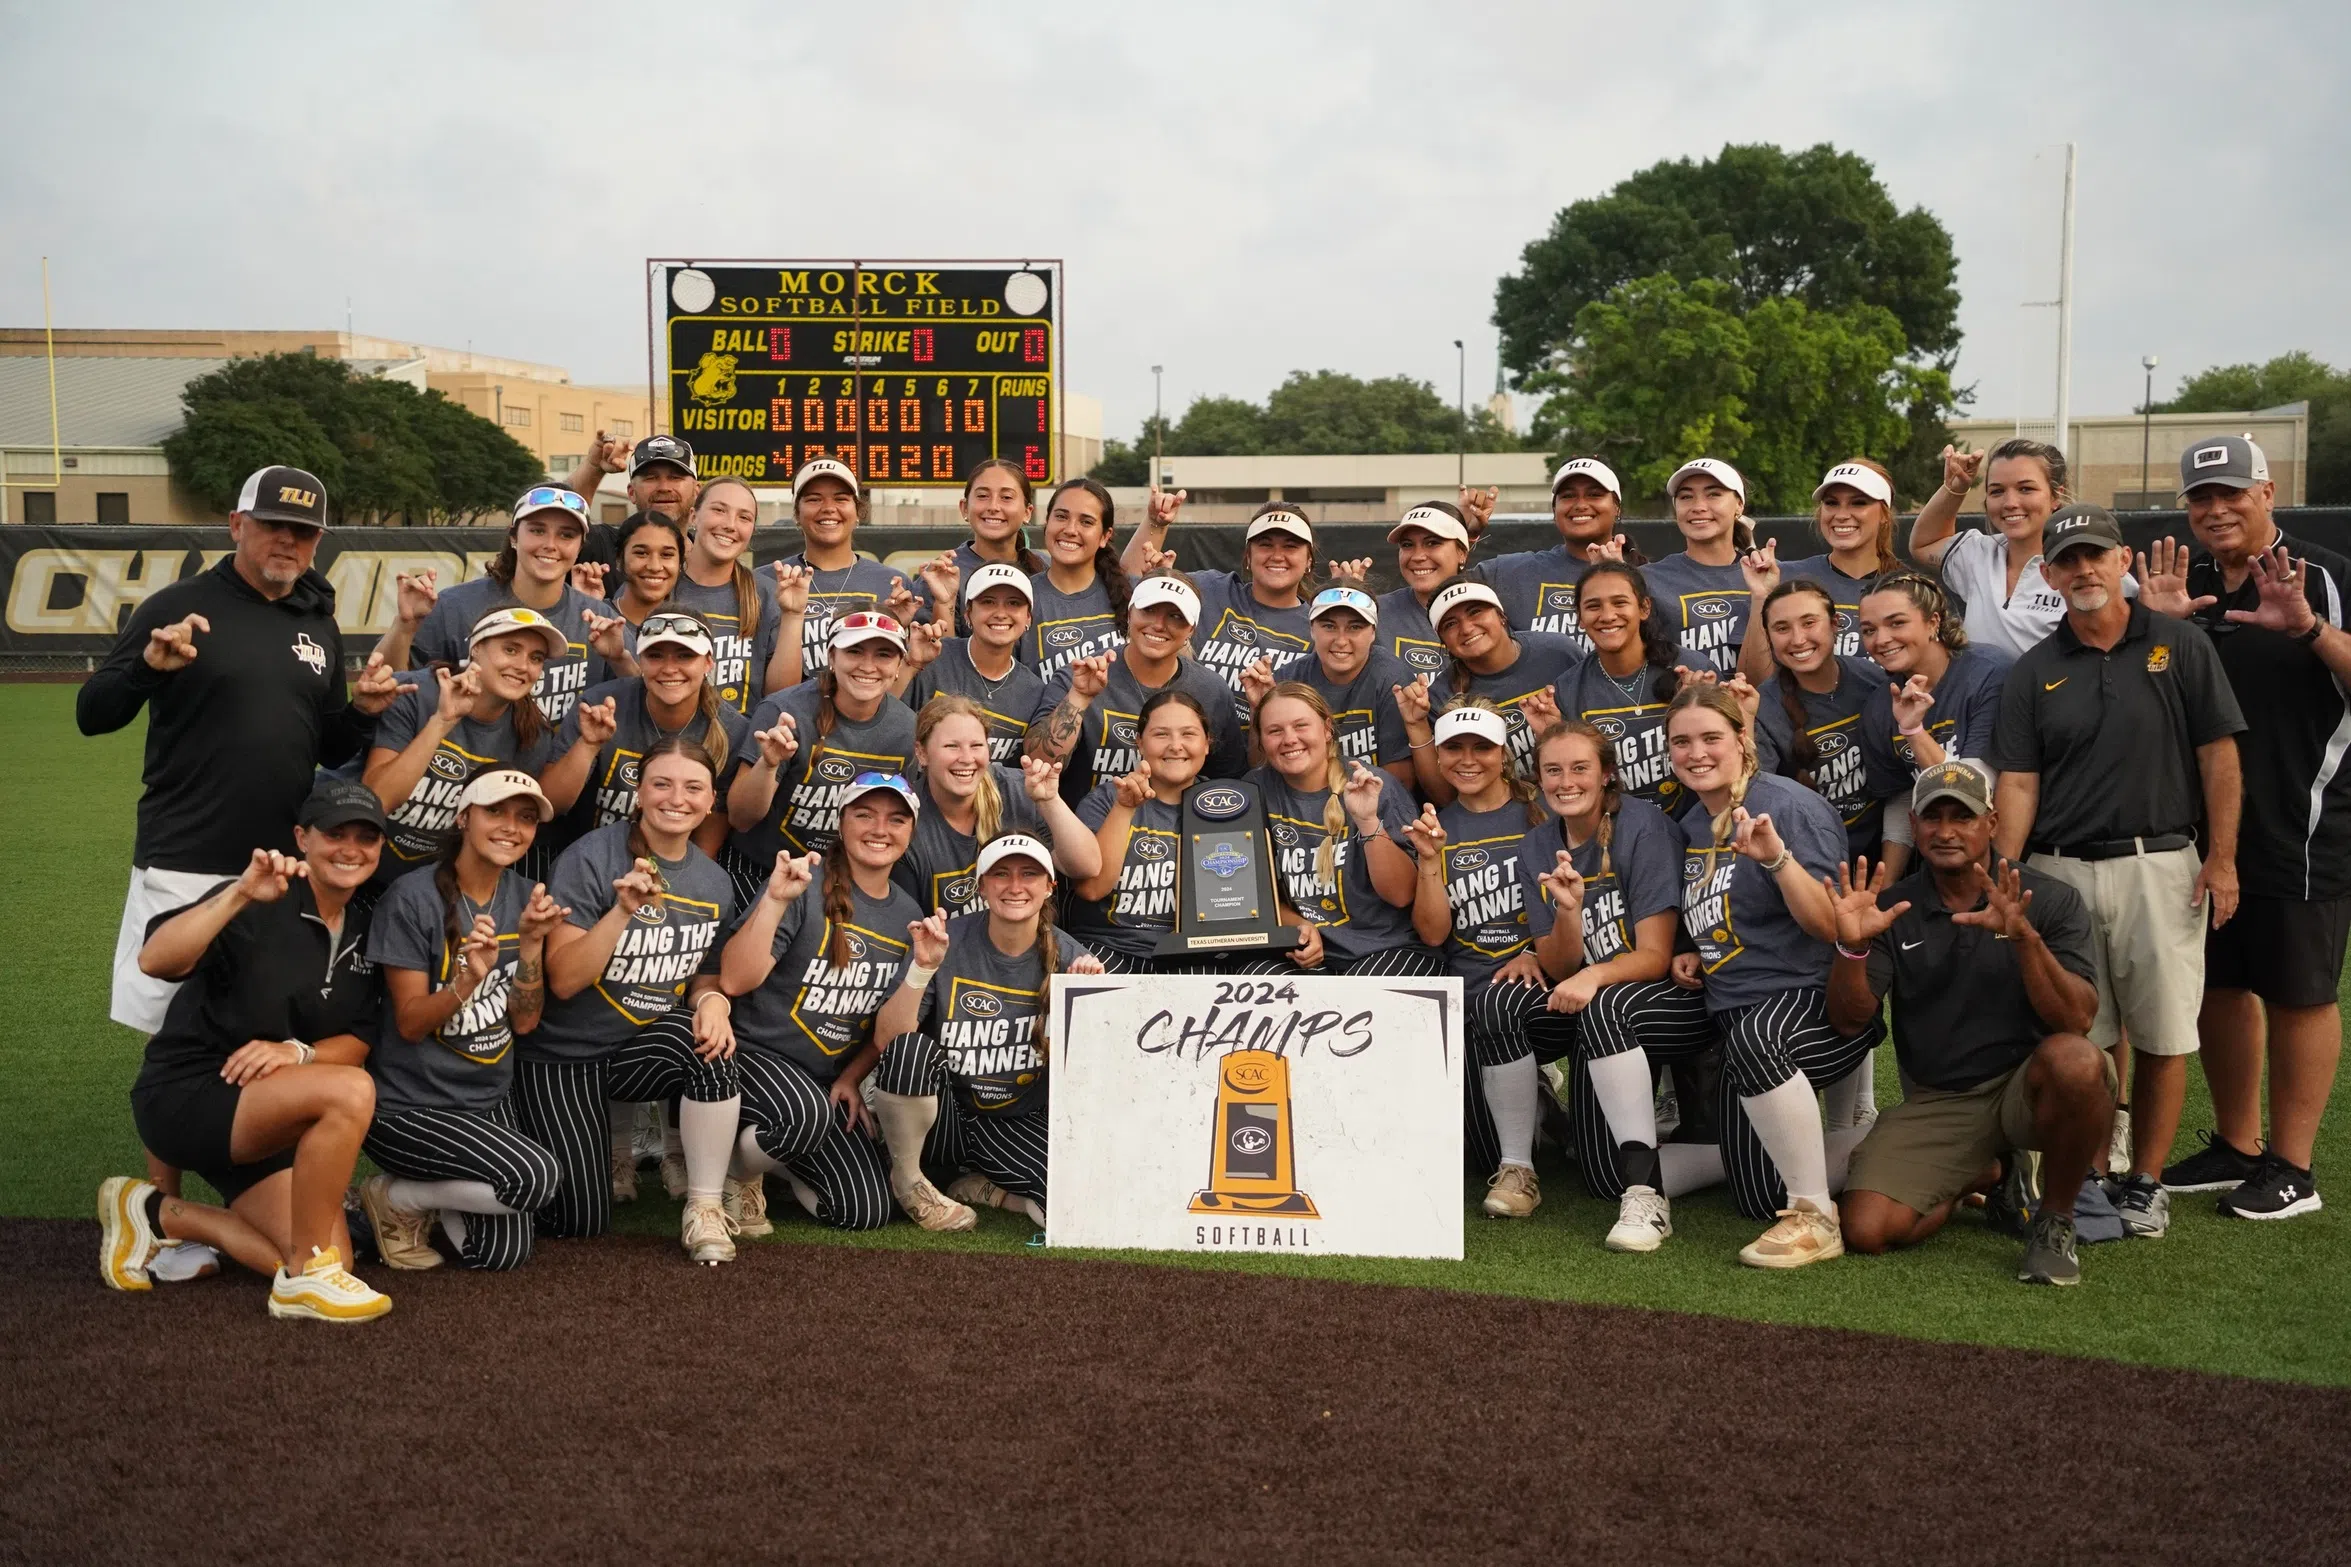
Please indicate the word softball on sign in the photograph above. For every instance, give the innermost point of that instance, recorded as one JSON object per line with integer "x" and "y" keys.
{"x": 910, "y": 373}
{"x": 1295, "y": 1114}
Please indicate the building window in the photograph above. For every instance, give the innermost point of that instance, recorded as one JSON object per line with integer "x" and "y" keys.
{"x": 515, "y": 414}
{"x": 114, "y": 506}
{"x": 563, "y": 462}
{"x": 573, "y": 421}
{"x": 623, "y": 429}
{"x": 40, "y": 505}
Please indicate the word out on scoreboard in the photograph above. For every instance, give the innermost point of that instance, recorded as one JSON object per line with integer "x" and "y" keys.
{"x": 910, "y": 374}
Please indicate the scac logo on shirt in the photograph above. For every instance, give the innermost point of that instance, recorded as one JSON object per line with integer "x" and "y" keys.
{"x": 1241, "y": 633}
{"x": 1559, "y": 599}
{"x": 960, "y": 891}
{"x": 1122, "y": 732}
{"x": 1423, "y": 659}
{"x": 650, "y": 913}
{"x": 980, "y": 1004}
{"x": 310, "y": 653}
{"x": 1711, "y": 608}
{"x": 1831, "y": 744}
{"x": 1151, "y": 849}
{"x": 1613, "y": 728}
{"x": 856, "y": 944}
{"x": 1469, "y": 859}
{"x": 835, "y": 769}
{"x": 631, "y": 771}
{"x": 447, "y": 763}
{"x": 1064, "y": 636}
{"x": 1285, "y": 835}
{"x": 1693, "y": 869}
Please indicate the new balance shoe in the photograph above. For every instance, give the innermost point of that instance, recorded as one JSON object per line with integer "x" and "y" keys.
{"x": 324, "y": 1292}
{"x": 704, "y": 1230}
{"x": 2144, "y": 1205}
{"x": 2275, "y": 1190}
{"x": 926, "y": 1207}
{"x": 2050, "y": 1255}
{"x": 183, "y": 1262}
{"x": 746, "y": 1206}
{"x": 1644, "y": 1218}
{"x": 1513, "y": 1193}
{"x": 126, "y": 1241}
{"x": 1804, "y": 1235}
{"x": 404, "y": 1236}
{"x": 977, "y": 1191}
{"x": 2215, "y": 1167}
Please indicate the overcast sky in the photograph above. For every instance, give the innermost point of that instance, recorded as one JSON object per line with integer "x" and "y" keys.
{"x": 1237, "y": 191}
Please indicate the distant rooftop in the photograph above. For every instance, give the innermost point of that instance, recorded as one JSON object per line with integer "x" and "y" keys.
{"x": 138, "y": 343}
{"x": 100, "y": 402}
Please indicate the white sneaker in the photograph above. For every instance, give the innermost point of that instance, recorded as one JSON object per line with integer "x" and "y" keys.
{"x": 926, "y": 1207}
{"x": 183, "y": 1262}
{"x": 126, "y": 1242}
{"x": 324, "y": 1292}
{"x": 705, "y": 1232}
{"x": 1644, "y": 1218}
{"x": 1513, "y": 1193}
{"x": 746, "y": 1206}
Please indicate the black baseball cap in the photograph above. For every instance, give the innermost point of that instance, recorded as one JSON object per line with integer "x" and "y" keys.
{"x": 2087, "y": 526}
{"x": 661, "y": 448}
{"x": 338, "y": 802}
{"x": 279, "y": 494}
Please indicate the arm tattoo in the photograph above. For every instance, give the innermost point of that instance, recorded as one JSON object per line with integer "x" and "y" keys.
{"x": 1061, "y": 730}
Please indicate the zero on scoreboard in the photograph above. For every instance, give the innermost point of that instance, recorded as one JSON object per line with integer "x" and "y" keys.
{"x": 912, "y": 373}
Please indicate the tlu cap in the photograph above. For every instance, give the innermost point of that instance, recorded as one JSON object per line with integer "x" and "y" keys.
{"x": 1355, "y": 599}
{"x": 1174, "y": 592}
{"x": 280, "y": 494}
{"x": 2232, "y": 461}
{"x": 504, "y": 783}
{"x": 823, "y": 468}
{"x": 2084, "y": 526}
{"x": 1856, "y": 476}
{"x": 1481, "y": 722}
{"x": 1436, "y": 521}
{"x": 1460, "y": 593}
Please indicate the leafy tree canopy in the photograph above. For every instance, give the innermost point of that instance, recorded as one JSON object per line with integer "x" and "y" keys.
{"x": 1315, "y": 412}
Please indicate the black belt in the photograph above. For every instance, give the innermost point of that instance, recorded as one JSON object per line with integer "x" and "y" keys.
{"x": 2115, "y": 848}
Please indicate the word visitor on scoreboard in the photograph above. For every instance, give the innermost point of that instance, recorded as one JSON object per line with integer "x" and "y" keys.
{"x": 910, "y": 375}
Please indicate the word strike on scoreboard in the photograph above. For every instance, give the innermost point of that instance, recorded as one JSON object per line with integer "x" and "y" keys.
{"x": 910, "y": 374}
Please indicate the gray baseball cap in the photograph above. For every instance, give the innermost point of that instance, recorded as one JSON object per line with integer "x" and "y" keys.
{"x": 2230, "y": 460}
{"x": 2088, "y": 527}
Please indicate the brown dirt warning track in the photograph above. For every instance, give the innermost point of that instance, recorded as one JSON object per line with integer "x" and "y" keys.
{"x": 608, "y": 1403}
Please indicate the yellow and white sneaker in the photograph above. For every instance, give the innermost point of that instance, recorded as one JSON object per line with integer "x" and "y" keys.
{"x": 126, "y": 1242}
{"x": 704, "y": 1232}
{"x": 746, "y": 1206}
{"x": 324, "y": 1292}
{"x": 403, "y": 1237}
{"x": 1803, "y": 1236}
{"x": 1513, "y": 1193}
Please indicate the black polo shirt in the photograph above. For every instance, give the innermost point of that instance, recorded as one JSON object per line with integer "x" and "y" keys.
{"x": 2114, "y": 734}
{"x": 274, "y": 972}
{"x": 2296, "y": 839}
{"x": 1961, "y": 1015}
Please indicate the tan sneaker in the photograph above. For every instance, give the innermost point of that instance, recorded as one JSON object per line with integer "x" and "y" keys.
{"x": 324, "y": 1292}
{"x": 403, "y": 1236}
{"x": 624, "y": 1174}
{"x": 926, "y": 1207}
{"x": 1513, "y": 1193}
{"x": 705, "y": 1232}
{"x": 978, "y": 1191}
{"x": 746, "y": 1206}
{"x": 673, "y": 1173}
{"x": 1803, "y": 1235}
{"x": 126, "y": 1244}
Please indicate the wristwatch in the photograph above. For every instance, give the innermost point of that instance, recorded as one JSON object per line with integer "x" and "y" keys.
{"x": 2318, "y": 626}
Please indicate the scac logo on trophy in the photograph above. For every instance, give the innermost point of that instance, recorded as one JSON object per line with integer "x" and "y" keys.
{"x": 1249, "y": 1168}
{"x": 1224, "y": 879}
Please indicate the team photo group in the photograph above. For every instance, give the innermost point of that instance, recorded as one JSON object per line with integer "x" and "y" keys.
{"x": 633, "y": 853}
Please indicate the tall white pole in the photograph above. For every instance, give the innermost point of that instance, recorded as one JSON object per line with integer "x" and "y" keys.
{"x": 2064, "y": 442}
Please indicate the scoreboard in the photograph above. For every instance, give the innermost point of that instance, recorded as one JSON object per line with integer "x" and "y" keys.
{"x": 910, "y": 373}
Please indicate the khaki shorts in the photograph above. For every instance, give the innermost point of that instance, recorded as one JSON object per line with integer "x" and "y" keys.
{"x": 2148, "y": 948}
{"x": 1935, "y": 1144}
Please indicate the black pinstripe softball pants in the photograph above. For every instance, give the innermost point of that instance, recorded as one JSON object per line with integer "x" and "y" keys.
{"x": 1007, "y": 1149}
{"x": 1763, "y": 1046}
{"x": 797, "y": 1126}
{"x": 563, "y": 1106}
{"x": 1657, "y": 1016}
{"x": 473, "y": 1145}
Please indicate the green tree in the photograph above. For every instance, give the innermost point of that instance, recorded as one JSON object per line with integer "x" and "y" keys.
{"x": 2289, "y": 378}
{"x": 224, "y": 440}
{"x": 1311, "y": 412}
{"x": 1213, "y": 427}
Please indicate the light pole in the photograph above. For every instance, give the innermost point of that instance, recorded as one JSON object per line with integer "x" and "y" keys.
{"x": 1461, "y": 418}
{"x": 1158, "y": 427}
{"x": 2146, "y": 428}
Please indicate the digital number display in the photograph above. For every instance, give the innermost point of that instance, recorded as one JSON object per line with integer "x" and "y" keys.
{"x": 911, "y": 374}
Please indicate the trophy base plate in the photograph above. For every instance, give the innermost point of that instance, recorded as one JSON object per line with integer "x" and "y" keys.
{"x": 1297, "y": 1204}
{"x": 1282, "y": 938}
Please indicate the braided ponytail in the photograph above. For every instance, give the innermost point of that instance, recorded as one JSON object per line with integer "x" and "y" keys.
{"x": 453, "y": 925}
{"x": 1049, "y": 954}
{"x": 714, "y": 733}
{"x": 839, "y": 907}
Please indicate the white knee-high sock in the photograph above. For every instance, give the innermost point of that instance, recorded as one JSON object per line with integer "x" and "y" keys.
{"x": 1788, "y": 1121}
{"x": 1510, "y": 1098}
{"x": 1838, "y": 1148}
{"x": 447, "y": 1196}
{"x": 453, "y": 1225}
{"x": 1689, "y": 1167}
{"x": 1852, "y": 1099}
{"x": 1625, "y": 1085}
{"x": 906, "y": 1122}
{"x": 751, "y": 1159}
{"x": 707, "y": 1129}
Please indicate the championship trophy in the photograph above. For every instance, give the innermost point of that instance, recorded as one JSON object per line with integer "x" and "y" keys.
{"x": 1249, "y": 1168}
{"x": 1224, "y": 875}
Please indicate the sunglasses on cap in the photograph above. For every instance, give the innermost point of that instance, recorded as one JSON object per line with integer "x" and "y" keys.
{"x": 671, "y": 624}
{"x": 552, "y": 495}
{"x": 867, "y": 625}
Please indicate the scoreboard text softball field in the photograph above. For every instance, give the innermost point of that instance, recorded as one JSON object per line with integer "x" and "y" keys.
{"x": 911, "y": 374}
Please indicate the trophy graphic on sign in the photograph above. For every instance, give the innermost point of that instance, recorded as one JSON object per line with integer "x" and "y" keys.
{"x": 1249, "y": 1164}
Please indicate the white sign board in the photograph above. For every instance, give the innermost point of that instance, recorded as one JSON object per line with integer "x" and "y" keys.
{"x": 1302, "y": 1114}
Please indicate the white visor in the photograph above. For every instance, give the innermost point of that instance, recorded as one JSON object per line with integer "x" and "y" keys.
{"x": 996, "y": 574}
{"x": 1591, "y": 468}
{"x": 1290, "y": 522}
{"x": 1172, "y": 591}
{"x": 1720, "y": 472}
{"x": 1429, "y": 519}
{"x": 1868, "y": 481}
{"x": 1013, "y": 843}
{"x": 1483, "y": 722}
{"x": 1457, "y": 595}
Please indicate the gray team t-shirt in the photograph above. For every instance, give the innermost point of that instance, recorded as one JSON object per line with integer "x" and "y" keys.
{"x": 810, "y": 1012}
{"x": 1482, "y": 884}
{"x": 662, "y": 947}
{"x": 1008, "y": 700}
{"x": 466, "y": 1063}
{"x": 1108, "y": 743}
{"x": 1364, "y": 714}
{"x": 1845, "y": 594}
{"x": 1356, "y": 921}
{"x": 1407, "y": 636}
{"x": 1833, "y": 719}
{"x": 1631, "y": 713}
{"x": 1966, "y": 710}
{"x": 1236, "y": 631}
{"x": 1543, "y": 660}
{"x": 445, "y": 634}
{"x": 1141, "y": 908}
{"x": 938, "y": 870}
{"x": 1643, "y": 878}
{"x": 422, "y": 823}
{"x": 1065, "y": 627}
{"x": 1537, "y": 589}
{"x": 1749, "y": 946}
{"x": 738, "y": 661}
{"x": 611, "y": 794}
{"x": 1706, "y": 605}
{"x": 805, "y": 814}
{"x": 833, "y": 593}
{"x": 982, "y": 1008}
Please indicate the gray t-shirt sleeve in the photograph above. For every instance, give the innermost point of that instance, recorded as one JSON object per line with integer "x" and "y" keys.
{"x": 1648, "y": 864}
{"x": 582, "y": 880}
{"x": 406, "y": 928}
{"x": 400, "y": 722}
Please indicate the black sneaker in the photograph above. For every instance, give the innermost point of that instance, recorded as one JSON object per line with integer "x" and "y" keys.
{"x": 2145, "y": 1207}
{"x": 2215, "y": 1167}
{"x": 2275, "y": 1190}
{"x": 2050, "y": 1256}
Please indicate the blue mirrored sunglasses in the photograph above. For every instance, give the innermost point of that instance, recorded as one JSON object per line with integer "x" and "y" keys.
{"x": 551, "y": 495}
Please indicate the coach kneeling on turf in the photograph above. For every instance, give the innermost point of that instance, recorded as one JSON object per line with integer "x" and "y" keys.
{"x": 1993, "y": 997}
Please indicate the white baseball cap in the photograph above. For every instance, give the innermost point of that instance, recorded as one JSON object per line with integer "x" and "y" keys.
{"x": 1012, "y": 843}
{"x": 504, "y": 784}
{"x": 518, "y": 617}
{"x": 1868, "y": 481}
{"x": 1591, "y": 468}
{"x": 996, "y": 574}
{"x": 1458, "y": 594}
{"x": 1293, "y": 523}
{"x": 1714, "y": 468}
{"x": 1174, "y": 592}
{"x": 823, "y": 468}
{"x": 866, "y": 625}
{"x": 1355, "y": 599}
{"x": 1482, "y": 722}
{"x": 1434, "y": 520}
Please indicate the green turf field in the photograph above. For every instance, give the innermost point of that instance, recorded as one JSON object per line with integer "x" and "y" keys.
{"x": 2249, "y": 1299}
